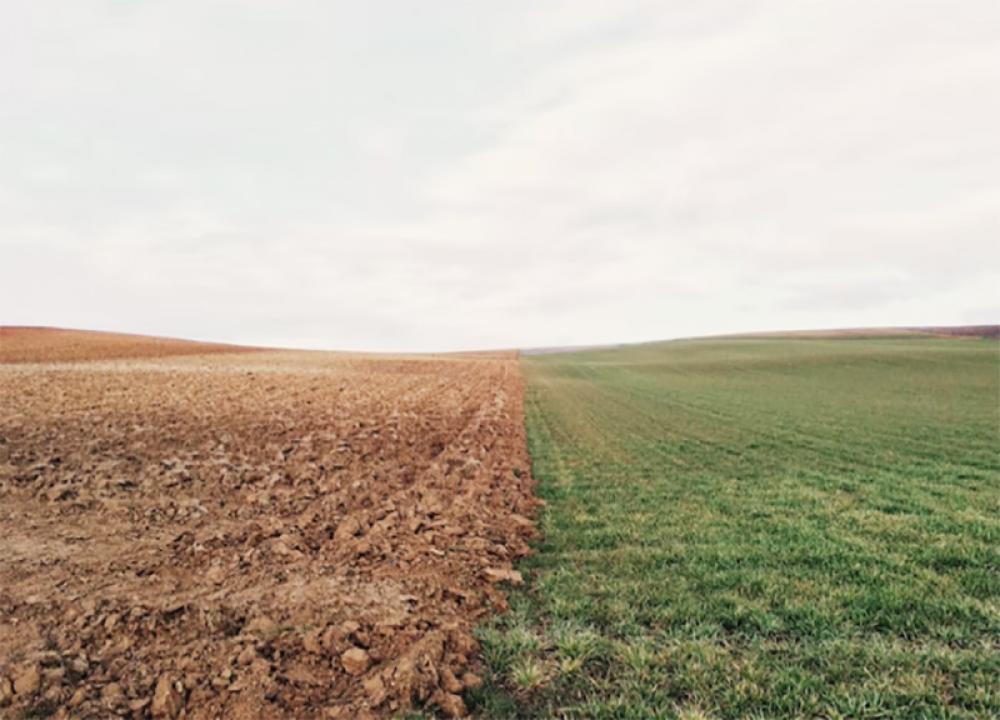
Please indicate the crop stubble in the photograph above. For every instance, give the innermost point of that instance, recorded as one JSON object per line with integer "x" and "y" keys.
{"x": 255, "y": 534}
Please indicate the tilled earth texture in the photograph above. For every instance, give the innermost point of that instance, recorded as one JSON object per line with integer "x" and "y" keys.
{"x": 25, "y": 344}
{"x": 261, "y": 534}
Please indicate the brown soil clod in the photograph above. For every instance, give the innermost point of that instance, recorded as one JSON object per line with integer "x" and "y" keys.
{"x": 252, "y": 534}
{"x": 355, "y": 661}
{"x": 167, "y": 701}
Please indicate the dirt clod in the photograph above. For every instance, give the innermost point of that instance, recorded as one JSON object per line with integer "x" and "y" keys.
{"x": 355, "y": 661}
{"x": 167, "y": 701}
{"x": 452, "y": 706}
{"x": 495, "y": 575}
{"x": 247, "y": 655}
{"x": 79, "y": 697}
{"x": 471, "y": 681}
{"x": 29, "y": 680}
{"x": 449, "y": 682}
{"x": 375, "y": 688}
{"x": 112, "y": 696}
{"x": 261, "y": 627}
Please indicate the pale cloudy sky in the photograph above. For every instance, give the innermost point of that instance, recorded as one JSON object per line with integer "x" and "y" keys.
{"x": 445, "y": 175}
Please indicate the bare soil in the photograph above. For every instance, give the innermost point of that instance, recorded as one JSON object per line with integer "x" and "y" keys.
{"x": 42, "y": 344}
{"x": 253, "y": 534}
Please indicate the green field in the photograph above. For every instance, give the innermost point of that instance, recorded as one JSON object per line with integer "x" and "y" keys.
{"x": 760, "y": 528}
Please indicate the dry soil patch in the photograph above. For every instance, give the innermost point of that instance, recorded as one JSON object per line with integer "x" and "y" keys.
{"x": 254, "y": 534}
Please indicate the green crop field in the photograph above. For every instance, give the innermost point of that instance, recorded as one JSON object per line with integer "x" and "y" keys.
{"x": 760, "y": 528}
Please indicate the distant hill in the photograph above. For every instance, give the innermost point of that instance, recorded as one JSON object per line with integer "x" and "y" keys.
{"x": 966, "y": 331}
{"x": 956, "y": 331}
{"x": 19, "y": 344}
{"x": 44, "y": 344}
{"x": 947, "y": 331}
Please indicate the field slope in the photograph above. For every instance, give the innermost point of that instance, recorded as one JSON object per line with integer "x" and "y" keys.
{"x": 50, "y": 345}
{"x": 760, "y": 528}
{"x": 271, "y": 534}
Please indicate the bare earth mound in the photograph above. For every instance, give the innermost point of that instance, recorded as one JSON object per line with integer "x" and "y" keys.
{"x": 32, "y": 344}
{"x": 255, "y": 535}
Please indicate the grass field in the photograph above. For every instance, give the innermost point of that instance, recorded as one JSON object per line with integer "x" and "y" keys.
{"x": 760, "y": 528}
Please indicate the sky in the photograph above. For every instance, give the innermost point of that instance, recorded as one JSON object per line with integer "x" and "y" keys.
{"x": 444, "y": 175}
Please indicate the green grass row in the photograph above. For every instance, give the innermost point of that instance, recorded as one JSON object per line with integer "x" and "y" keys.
{"x": 760, "y": 529}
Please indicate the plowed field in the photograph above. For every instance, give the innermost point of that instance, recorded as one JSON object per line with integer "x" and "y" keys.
{"x": 252, "y": 534}
{"x": 27, "y": 344}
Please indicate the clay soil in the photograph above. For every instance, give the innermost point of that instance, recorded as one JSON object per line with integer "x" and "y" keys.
{"x": 252, "y": 534}
{"x": 32, "y": 344}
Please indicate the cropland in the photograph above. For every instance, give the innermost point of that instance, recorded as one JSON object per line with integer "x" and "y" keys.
{"x": 204, "y": 531}
{"x": 760, "y": 528}
{"x": 46, "y": 345}
{"x": 787, "y": 525}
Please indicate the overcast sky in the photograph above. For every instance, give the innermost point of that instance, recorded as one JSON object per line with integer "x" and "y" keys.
{"x": 447, "y": 175}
